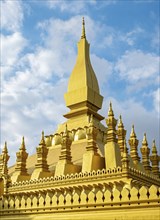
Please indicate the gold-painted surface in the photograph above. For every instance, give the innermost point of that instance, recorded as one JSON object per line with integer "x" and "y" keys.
{"x": 84, "y": 170}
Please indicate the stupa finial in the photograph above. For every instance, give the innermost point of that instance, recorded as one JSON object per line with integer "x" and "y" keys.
{"x": 83, "y": 29}
{"x": 133, "y": 134}
{"x": 66, "y": 129}
{"x": 22, "y": 147}
{"x": 144, "y": 142}
{"x": 110, "y": 112}
{"x": 5, "y": 149}
{"x": 42, "y": 142}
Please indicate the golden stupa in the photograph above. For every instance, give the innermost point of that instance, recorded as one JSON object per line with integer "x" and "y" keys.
{"x": 83, "y": 170}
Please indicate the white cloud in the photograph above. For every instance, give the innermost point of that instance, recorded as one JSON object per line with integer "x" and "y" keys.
{"x": 156, "y": 101}
{"x": 69, "y": 6}
{"x": 137, "y": 65}
{"x": 155, "y": 41}
{"x": 75, "y": 7}
{"x": 11, "y": 47}
{"x": 11, "y": 15}
{"x": 131, "y": 36}
{"x": 102, "y": 67}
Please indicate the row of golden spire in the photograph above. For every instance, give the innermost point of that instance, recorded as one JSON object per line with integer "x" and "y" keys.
{"x": 110, "y": 114}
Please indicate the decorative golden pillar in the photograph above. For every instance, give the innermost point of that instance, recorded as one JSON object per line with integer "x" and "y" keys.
{"x": 20, "y": 173}
{"x": 133, "y": 142}
{"x": 4, "y": 177}
{"x": 112, "y": 150}
{"x": 155, "y": 160}
{"x": 91, "y": 158}
{"x": 125, "y": 158}
{"x": 65, "y": 165}
{"x": 121, "y": 132}
{"x": 41, "y": 168}
{"x": 145, "y": 154}
{"x": 4, "y": 157}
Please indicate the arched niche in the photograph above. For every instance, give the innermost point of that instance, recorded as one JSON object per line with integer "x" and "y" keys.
{"x": 80, "y": 134}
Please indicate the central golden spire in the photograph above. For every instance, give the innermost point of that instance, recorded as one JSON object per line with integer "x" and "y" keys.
{"x": 83, "y": 29}
{"x": 83, "y": 95}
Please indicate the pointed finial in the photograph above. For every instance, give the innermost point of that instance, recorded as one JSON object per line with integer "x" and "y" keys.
{"x": 83, "y": 29}
{"x": 43, "y": 135}
{"x": 125, "y": 148}
{"x": 154, "y": 148}
{"x": 22, "y": 147}
{"x": 42, "y": 142}
{"x": 133, "y": 134}
{"x": 5, "y": 150}
{"x": 110, "y": 112}
{"x": 110, "y": 105}
{"x": 66, "y": 129}
{"x": 120, "y": 121}
{"x": 144, "y": 142}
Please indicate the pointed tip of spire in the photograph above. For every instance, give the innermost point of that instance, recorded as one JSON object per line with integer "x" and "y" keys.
{"x": 120, "y": 122}
{"x": 133, "y": 134}
{"x": 144, "y": 142}
{"x": 5, "y": 150}
{"x": 5, "y": 144}
{"x": 110, "y": 112}
{"x": 42, "y": 142}
{"x": 154, "y": 148}
{"x": 154, "y": 142}
{"x": 125, "y": 148}
{"x": 110, "y": 105}
{"x": 83, "y": 29}
{"x": 120, "y": 119}
{"x": 23, "y": 140}
{"x": 42, "y": 134}
{"x": 66, "y": 129}
{"x": 22, "y": 147}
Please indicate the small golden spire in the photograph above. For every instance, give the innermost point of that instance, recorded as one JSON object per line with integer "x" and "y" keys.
{"x": 144, "y": 142}
{"x": 133, "y": 142}
{"x": 22, "y": 147}
{"x": 154, "y": 148}
{"x": 125, "y": 148}
{"x": 155, "y": 160}
{"x": 42, "y": 142}
{"x": 120, "y": 121}
{"x": 145, "y": 154}
{"x": 66, "y": 129}
{"x": 110, "y": 112}
{"x": 121, "y": 132}
{"x": 125, "y": 159}
{"x": 133, "y": 134}
{"x": 83, "y": 29}
{"x": 5, "y": 150}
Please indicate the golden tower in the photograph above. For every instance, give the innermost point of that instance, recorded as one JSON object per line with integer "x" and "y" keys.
{"x": 84, "y": 170}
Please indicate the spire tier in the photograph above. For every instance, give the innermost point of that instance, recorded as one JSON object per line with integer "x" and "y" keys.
{"x": 133, "y": 142}
{"x": 155, "y": 160}
{"x": 121, "y": 132}
{"x": 145, "y": 154}
{"x": 83, "y": 95}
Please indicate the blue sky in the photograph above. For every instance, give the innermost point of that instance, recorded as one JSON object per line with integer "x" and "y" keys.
{"x": 39, "y": 47}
